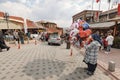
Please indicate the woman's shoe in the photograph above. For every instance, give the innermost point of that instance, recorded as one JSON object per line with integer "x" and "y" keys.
{"x": 90, "y": 73}
{"x": 8, "y": 48}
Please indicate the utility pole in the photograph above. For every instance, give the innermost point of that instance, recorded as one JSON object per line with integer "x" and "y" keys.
{"x": 6, "y": 16}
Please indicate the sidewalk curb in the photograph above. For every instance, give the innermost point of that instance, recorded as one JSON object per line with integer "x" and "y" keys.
{"x": 108, "y": 72}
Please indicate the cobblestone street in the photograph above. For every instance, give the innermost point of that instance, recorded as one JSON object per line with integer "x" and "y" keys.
{"x": 44, "y": 62}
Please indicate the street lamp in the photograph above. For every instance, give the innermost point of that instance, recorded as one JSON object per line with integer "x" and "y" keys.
{"x": 6, "y": 16}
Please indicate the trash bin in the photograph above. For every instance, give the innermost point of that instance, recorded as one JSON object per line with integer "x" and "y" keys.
{"x": 68, "y": 45}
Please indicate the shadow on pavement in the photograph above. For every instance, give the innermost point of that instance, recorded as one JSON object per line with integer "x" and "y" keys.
{"x": 55, "y": 45}
{"x": 40, "y": 69}
{"x": 77, "y": 74}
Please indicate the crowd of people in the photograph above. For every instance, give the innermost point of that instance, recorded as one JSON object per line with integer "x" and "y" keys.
{"x": 19, "y": 36}
{"x": 81, "y": 35}
{"x": 93, "y": 44}
{"x": 43, "y": 36}
{"x": 16, "y": 35}
{"x": 107, "y": 41}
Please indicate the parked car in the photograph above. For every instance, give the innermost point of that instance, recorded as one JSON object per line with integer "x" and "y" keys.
{"x": 34, "y": 35}
{"x": 54, "y": 39}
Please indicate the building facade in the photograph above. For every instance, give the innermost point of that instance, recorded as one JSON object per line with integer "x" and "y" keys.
{"x": 87, "y": 15}
{"x": 102, "y": 21}
{"x": 51, "y": 27}
{"x": 105, "y": 16}
{"x": 14, "y": 22}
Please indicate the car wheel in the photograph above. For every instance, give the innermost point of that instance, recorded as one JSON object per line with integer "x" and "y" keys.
{"x": 59, "y": 44}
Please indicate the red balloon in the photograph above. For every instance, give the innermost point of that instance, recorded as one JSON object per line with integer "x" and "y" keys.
{"x": 82, "y": 34}
{"x": 80, "y": 28}
{"x": 88, "y": 32}
{"x": 85, "y": 33}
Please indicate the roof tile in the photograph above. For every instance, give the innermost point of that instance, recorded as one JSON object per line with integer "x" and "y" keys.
{"x": 16, "y": 18}
{"x": 30, "y": 24}
{"x": 1, "y": 14}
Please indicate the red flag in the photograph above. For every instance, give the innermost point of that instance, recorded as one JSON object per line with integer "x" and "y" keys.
{"x": 97, "y": 14}
{"x": 118, "y": 8}
{"x": 97, "y": 1}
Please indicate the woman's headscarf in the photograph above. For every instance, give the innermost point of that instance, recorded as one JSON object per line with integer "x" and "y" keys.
{"x": 97, "y": 38}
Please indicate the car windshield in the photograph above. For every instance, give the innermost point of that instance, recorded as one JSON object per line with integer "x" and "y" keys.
{"x": 54, "y": 36}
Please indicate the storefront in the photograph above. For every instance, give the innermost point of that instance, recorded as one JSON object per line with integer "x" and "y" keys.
{"x": 103, "y": 27}
{"x": 112, "y": 26}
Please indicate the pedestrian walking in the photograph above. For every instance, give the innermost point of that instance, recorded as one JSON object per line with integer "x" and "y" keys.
{"x": 28, "y": 34}
{"x": 105, "y": 43}
{"x": 91, "y": 53}
{"x": 42, "y": 37}
{"x": 2, "y": 42}
{"x": 16, "y": 36}
{"x": 68, "y": 42}
{"x": 109, "y": 39}
{"x": 21, "y": 36}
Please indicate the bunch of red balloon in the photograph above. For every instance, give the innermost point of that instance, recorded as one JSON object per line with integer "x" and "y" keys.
{"x": 81, "y": 28}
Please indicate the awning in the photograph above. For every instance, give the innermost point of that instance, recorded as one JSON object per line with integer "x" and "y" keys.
{"x": 31, "y": 27}
{"x": 11, "y": 25}
{"x": 102, "y": 25}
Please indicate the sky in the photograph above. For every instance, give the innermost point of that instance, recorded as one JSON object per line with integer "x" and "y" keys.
{"x": 58, "y": 11}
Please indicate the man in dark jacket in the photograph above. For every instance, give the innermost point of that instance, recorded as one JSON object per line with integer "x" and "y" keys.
{"x": 21, "y": 36}
{"x": 2, "y": 42}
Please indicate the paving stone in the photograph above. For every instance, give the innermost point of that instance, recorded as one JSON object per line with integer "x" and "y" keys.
{"x": 12, "y": 76}
{"x": 16, "y": 72}
{"x": 39, "y": 62}
{"x": 3, "y": 78}
{"x": 21, "y": 75}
